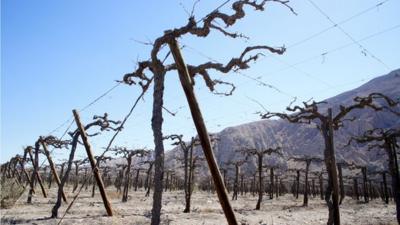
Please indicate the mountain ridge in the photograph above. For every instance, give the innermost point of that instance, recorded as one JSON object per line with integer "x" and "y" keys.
{"x": 300, "y": 139}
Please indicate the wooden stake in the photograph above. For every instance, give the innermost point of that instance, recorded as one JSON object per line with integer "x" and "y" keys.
{"x": 96, "y": 173}
{"x": 24, "y": 171}
{"x": 202, "y": 132}
{"x": 35, "y": 164}
{"x": 52, "y": 167}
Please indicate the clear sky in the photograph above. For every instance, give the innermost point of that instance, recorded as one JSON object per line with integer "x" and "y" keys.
{"x": 61, "y": 55}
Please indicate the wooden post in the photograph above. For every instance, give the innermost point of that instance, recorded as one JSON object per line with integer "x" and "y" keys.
{"x": 52, "y": 167}
{"x": 187, "y": 86}
{"x": 35, "y": 164}
{"x": 21, "y": 163}
{"x": 96, "y": 173}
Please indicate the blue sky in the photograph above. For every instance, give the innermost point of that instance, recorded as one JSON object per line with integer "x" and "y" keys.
{"x": 61, "y": 55}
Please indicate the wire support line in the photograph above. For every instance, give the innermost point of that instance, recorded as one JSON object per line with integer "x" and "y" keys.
{"x": 86, "y": 107}
{"x": 348, "y": 19}
{"x": 341, "y": 47}
{"x": 363, "y": 48}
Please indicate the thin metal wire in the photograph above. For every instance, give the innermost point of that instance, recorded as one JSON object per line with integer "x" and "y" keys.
{"x": 310, "y": 37}
{"x": 363, "y": 48}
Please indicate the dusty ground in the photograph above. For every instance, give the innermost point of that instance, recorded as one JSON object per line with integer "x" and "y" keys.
{"x": 205, "y": 210}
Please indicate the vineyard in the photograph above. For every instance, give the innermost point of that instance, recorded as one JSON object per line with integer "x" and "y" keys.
{"x": 314, "y": 162}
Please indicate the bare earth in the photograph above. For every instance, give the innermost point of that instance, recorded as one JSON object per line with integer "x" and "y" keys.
{"x": 205, "y": 210}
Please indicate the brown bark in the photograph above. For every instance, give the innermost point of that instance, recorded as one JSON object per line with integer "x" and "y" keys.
{"x": 22, "y": 164}
{"x": 57, "y": 205}
{"x": 127, "y": 179}
{"x": 202, "y": 132}
{"x": 236, "y": 183}
{"x": 332, "y": 193}
{"x": 92, "y": 161}
{"x": 35, "y": 174}
{"x": 52, "y": 167}
{"x": 148, "y": 179}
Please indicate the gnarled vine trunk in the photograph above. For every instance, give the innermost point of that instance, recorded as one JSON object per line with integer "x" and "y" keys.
{"x": 156, "y": 125}
{"x": 332, "y": 192}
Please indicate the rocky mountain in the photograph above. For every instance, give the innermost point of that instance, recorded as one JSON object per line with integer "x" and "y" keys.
{"x": 296, "y": 139}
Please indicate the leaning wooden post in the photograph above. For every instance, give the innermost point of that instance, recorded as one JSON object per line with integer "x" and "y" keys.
{"x": 187, "y": 86}
{"x": 35, "y": 173}
{"x": 28, "y": 180}
{"x": 96, "y": 173}
{"x": 52, "y": 167}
